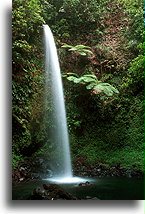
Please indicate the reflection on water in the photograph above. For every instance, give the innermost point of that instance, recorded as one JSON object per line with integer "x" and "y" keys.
{"x": 102, "y": 188}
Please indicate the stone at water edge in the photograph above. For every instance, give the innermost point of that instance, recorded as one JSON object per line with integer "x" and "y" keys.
{"x": 88, "y": 197}
{"x": 39, "y": 194}
{"x": 94, "y": 198}
{"x": 87, "y": 183}
{"x": 58, "y": 191}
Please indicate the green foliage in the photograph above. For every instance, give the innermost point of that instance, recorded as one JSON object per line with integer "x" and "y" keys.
{"x": 27, "y": 54}
{"x": 70, "y": 19}
{"x": 135, "y": 75}
{"x": 79, "y": 49}
{"x": 105, "y": 49}
{"x": 15, "y": 160}
{"x": 122, "y": 141}
{"x": 134, "y": 11}
{"x": 134, "y": 31}
{"x": 91, "y": 82}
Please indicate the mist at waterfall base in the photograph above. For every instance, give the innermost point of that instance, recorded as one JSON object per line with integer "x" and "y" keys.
{"x": 59, "y": 133}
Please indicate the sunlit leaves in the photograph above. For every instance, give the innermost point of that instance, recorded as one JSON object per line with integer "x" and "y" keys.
{"x": 79, "y": 49}
{"x": 135, "y": 74}
{"x": 92, "y": 83}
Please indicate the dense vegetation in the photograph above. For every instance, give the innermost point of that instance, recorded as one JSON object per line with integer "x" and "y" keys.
{"x": 100, "y": 47}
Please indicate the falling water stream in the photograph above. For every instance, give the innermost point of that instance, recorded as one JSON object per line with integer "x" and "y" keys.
{"x": 59, "y": 136}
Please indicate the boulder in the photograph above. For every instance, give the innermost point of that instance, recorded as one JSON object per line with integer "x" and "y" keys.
{"x": 58, "y": 192}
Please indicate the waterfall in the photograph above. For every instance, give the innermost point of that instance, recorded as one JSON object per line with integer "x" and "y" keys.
{"x": 59, "y": 137}
{"x": 62, "y": 168}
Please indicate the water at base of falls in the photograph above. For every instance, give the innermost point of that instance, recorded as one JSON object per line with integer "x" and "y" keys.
{"x": 66, "y": 180}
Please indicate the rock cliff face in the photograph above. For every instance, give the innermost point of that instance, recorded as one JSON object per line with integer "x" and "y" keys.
{"x": 31, "y": 169}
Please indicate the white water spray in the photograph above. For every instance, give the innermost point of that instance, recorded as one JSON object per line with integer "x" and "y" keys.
{"x": 59, "y": 137}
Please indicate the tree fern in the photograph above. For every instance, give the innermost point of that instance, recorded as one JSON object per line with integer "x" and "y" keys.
{"x": 80, "y": 49}
{"x": 92, "y": 83}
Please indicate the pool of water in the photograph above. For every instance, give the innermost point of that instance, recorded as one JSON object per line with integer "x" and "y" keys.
{"x": 109, "y": 188}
